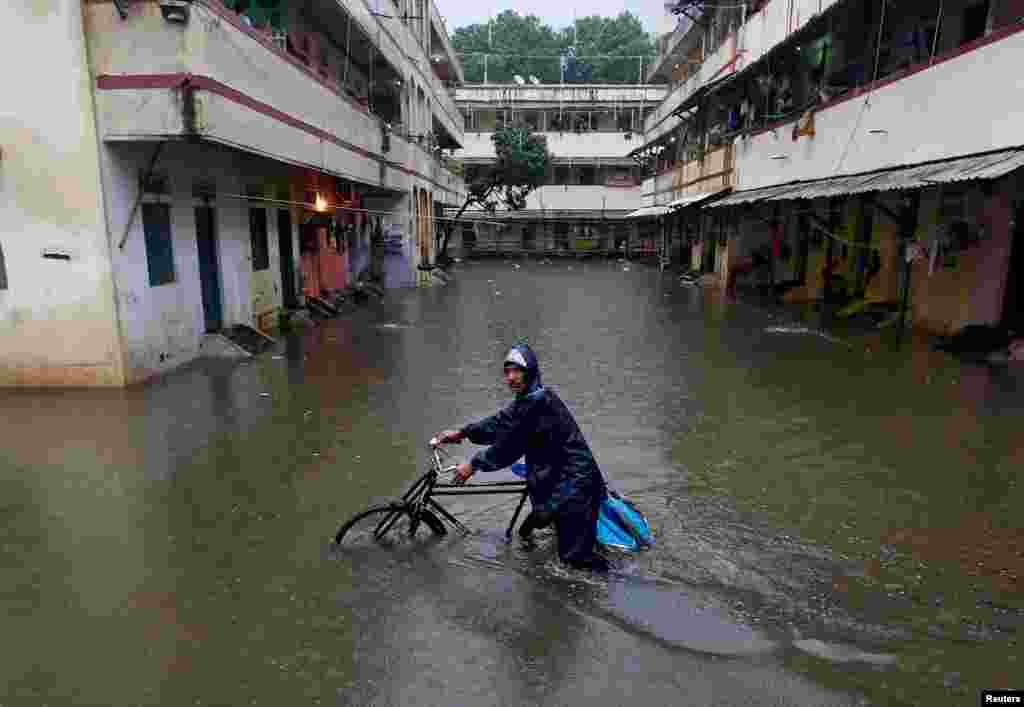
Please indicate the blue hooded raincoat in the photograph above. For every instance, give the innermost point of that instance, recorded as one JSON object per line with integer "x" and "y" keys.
{"x": 562, "y": 476}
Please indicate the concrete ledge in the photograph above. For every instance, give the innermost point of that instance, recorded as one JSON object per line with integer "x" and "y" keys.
{"x": 219, "y": 346}
{"x": 100, "y": 375}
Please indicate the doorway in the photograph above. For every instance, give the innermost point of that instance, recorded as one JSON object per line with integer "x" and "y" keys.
{"x": 289, "y": 292}
{"x": 1013, "y": 302}
{"x": 209, "y": 268}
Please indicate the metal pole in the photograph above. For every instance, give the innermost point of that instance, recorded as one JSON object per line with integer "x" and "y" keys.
{"x": 834, "y": 212}
{"x": 938, "y": 28}
{"x": 907, "y": 229}
{"x": 348, "y": 49}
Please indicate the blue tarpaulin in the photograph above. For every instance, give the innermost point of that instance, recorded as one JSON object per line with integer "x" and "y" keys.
{"x": 620, "y": 524}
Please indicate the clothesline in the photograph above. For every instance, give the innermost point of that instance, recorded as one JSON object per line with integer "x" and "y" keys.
{"x": 312, "y": 207}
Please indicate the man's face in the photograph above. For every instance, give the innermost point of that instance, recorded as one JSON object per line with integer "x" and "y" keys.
{"x": 515, "y": 377}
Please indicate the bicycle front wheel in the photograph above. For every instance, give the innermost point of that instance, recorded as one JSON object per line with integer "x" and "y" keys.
{"x": 386, "y": 524}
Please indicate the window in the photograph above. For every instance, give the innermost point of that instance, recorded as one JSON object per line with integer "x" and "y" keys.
{"x": 258, "y": 234}
{"x": 3, "y": 269}
{"x": 156, "y": 225}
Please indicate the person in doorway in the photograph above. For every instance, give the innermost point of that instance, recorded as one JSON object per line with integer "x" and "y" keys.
{"x": 564, "y": 483}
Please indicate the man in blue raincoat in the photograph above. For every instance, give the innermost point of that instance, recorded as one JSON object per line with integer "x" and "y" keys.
{"x": 562, "y": 478}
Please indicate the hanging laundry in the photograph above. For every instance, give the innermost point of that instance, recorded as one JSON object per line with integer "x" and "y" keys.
{"x": 933, "y": 256}
{"x": 915, "y": 252}
{"x": 775, "y": 230}
{"x": 805, "y": 125}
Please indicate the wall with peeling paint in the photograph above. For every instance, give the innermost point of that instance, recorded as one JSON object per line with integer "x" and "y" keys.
{"x": 58, "y": 323}
{"x": 163, "y": 325}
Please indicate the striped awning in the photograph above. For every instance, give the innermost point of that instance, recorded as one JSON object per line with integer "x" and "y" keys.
{"x": 990, "y": 165}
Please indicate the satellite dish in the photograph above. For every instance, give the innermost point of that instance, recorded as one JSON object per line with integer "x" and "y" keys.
{"x": 519, "y": 79}
{"x": 534, "y": 80}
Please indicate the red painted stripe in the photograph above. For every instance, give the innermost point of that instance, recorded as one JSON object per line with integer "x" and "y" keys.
{"x": 110, "y": 82}
{"x": 113, "y": 82}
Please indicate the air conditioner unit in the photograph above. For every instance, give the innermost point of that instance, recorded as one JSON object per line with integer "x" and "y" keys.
{"x": 176, "y": 11}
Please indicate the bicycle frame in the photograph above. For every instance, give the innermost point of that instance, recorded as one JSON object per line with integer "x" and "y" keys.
{"x": 422, "y": 493}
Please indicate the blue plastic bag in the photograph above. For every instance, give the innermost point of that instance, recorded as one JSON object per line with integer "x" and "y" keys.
{"x": 620, "y": 524}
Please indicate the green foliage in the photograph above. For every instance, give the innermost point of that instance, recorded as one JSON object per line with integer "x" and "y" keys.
{"x": 521, "y": 165}
{"x": 518, "y": 44}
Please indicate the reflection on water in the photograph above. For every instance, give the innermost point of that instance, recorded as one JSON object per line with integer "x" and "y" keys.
{"x": 822, "y": 502}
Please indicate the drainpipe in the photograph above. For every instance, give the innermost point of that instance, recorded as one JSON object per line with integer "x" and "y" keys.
{"x": 188, "y": 109}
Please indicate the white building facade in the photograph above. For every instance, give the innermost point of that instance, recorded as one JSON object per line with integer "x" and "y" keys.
{"x": 170, "y": 169}
{"x": 592, "y": 185}
{"x": 871, "y": 151}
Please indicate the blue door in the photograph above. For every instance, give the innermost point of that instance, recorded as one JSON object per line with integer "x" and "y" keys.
{"x": 209, "y": 272}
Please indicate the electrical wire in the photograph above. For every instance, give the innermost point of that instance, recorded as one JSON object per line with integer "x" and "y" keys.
{"x": 312, "y": 207}
{"x": 867, "y": 99}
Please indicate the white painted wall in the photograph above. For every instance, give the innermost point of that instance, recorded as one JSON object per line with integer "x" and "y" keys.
{"x": 58, "y": 323}
{"x": 930, "y": 115}
{"x": 579, "y": 146}
{"x": 163, "y": 325}
{"x": 759, "y": 35}
{"x": 578, "y": 197}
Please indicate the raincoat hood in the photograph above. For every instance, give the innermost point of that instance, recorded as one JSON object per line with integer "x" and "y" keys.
{"x": 522, "y": 355}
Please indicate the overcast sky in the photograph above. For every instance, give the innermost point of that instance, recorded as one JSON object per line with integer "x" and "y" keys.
{"x": 557, "y": 13}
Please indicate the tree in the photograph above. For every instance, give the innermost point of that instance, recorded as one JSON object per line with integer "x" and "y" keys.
{"x": 511, "y": 41}
{"x": 521, "y": 165}
{"x": 597, "y": 40}
{"x": 517, "y": 44}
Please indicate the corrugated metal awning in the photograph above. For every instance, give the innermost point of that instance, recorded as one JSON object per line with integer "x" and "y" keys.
{"x": 649, "y": 211}
{"x": 990, "y": 165}
{"x": 751, "y": 195}
{"x": 695, "y": 198}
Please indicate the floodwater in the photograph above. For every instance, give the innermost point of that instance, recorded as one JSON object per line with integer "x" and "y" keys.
{"x": 837, "y": 518}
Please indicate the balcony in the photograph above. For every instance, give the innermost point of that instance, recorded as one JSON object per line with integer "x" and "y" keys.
{"x": 589, "y": 146}
{"x": 716, "y": 171}
{"x": 667, "y": 46}
{"x": 445, "y": 61}
{"x": 247, "y": 91}
{"x": 918, "y": 114}
{"x": 548, "y": 94}
{"x": 399, "y": 42}
{"x": 762, "y": 31}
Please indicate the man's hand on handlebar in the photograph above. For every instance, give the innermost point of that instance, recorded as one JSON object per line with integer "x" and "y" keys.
{"x": 450, "y": 437}
{"x": 463, "y": 472}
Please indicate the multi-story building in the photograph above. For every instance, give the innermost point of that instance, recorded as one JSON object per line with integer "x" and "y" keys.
{"x": 592, "y": 185}
{"x": 872, "y": 150}
{"x": 172, "y": 167}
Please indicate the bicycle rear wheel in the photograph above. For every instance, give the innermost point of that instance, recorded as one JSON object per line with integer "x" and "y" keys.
{"x": 386, "y": 524}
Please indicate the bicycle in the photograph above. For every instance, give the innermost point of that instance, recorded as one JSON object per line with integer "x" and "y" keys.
{"x": 417, "y": 506}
